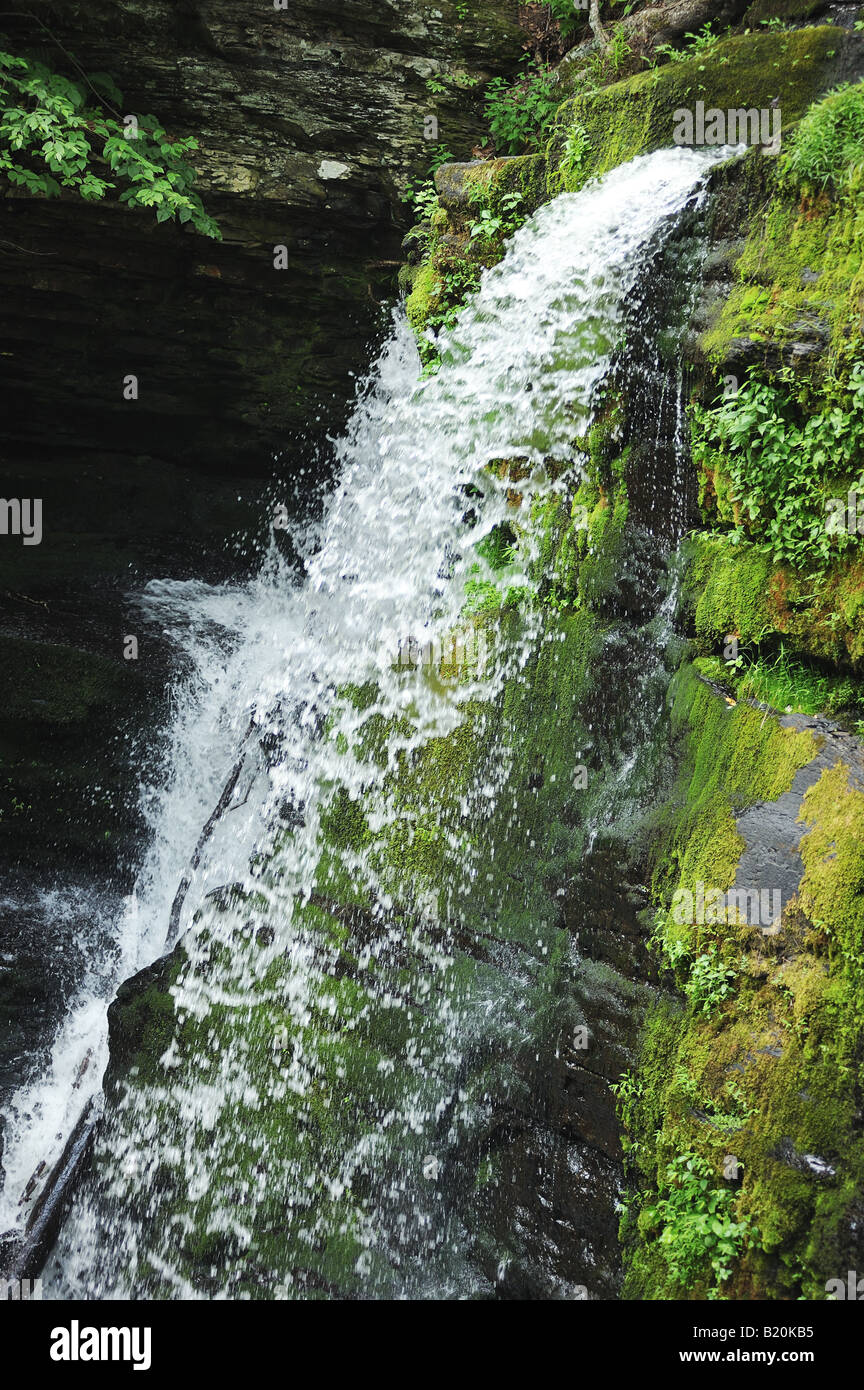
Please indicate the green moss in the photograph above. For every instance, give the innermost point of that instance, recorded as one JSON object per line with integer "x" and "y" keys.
{"x": 832, "y": 890}
{"x": 356, "y": 1011}
{"x": 143, "y": 1018}
{"x": 800, "y": 273}
{"x": 594, "y": 132}
{"x": 636, "y": 116}
{"x": 508, "y": 190}
{"x": 790, "y": 10}
{"x": 727, "y": 589}
{"x": 604, "y": 543}
{"x": 735, "y": 590}
{"x": 733, "y": 757}
{"x": 826, "y": 147}
{"x": 424, "y": 298}
{"x": 772, "y": 1075}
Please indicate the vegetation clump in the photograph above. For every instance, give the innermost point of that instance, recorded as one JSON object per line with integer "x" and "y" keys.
{"x": 773, "y": 465}
{"x": 58, "y": 134}
{"x": 827, "y": 149}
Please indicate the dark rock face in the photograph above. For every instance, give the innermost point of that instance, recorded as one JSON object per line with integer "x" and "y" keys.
{"x": 310, "y": 121}
{"x": 772, "y": 831}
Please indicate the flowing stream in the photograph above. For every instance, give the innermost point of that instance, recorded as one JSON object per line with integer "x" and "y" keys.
{"x": 374, "y": 967}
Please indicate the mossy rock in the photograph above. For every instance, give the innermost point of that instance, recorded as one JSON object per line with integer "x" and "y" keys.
{"x": 142, "y": 1019}
{"x": 747, "y": 71}
{"x": 768, "y": 1078}
{"x": 797, "y": 297}
{"x": 736, "y": 590}
{"x": 627, "y": 118}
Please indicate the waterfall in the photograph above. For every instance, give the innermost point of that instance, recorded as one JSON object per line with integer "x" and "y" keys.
{"x": 372, "y": 966}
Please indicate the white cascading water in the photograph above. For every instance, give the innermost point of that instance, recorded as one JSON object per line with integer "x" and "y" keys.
{"x": 275, "y": 663}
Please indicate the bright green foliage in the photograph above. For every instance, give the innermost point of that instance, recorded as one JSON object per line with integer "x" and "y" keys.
{"x": 627, "y": 1091}
{"x": 785, "y": 682}
{"x": 698, "y": 45}
{"x": 711, "y": 981}
{"x": 699, "y": 1224}
{"x": 828, "y": 146}
{"x": 423, "y": 198}
{"x": 607, "y": 65}
{"x": 422, "y": 193}
{"x": 54, "y": 136}
{"x": 574, "y": 160}
{"x": 519, "y": 115}
{"x": 490, "y": 225}
{"x": 779, "y": 461}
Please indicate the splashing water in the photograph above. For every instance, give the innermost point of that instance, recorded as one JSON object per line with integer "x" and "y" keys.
{"x": 364, "y": 957}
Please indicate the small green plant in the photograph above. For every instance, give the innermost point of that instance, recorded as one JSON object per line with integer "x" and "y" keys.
{"x": 782, "y": 462}
{"x": 734, "y": 663}
{"x": 489, "y": 225}
{"x": 567, "y": 17}
{"x": 628, "y": 1091}
{"x": 56, "y": 134}
{"x": 741, "y": 1111}
{"x": 618, "y": 52}
{"x": 698, "y": 45}
{"x": 711, "y": 980}
{"x": 453, "y": 287}
{"x": 700, "y": 1236}
{"x": 519, "y": 114}
{"x": 686, "y": 1085}
{"x": 499, "y": 548}
{"x": 785, "y": 683}
{"x": 827, "y": 150}
{"x": 668, "y": 943}
{"x": 422, "y": 195}
{"x": 605, "y": 65}
{"x": 574, "y": 159}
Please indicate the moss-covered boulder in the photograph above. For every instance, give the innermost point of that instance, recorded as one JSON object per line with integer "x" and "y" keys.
{"x": 767, "y": 70}
{"x": 743, "y": 1130}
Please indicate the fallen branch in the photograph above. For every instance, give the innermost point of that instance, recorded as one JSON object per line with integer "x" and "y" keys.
{"x": 216, "y": 815}
{"x": 29, "y": 1252}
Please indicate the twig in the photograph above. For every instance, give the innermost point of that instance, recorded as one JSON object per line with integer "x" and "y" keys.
{"x": 28, "y": 14}
{"x": 25, "y": 251}
{"x": 218, "y": 811}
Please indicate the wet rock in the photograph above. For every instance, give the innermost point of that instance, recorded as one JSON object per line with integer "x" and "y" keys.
{"x": 811, "y": 1164}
